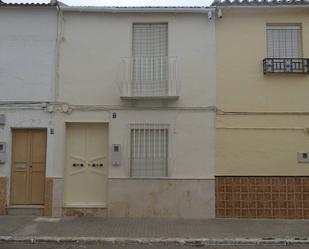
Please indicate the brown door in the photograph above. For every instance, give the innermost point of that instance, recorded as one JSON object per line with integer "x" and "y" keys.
{"x": 28, "y": 166}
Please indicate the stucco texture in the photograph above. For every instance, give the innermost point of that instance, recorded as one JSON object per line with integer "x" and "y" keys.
{"x": 262, "y": 119}
{"x": 261, "y": 145}
{"x": 183, "y": 198}
{"x": 241, "y": 48}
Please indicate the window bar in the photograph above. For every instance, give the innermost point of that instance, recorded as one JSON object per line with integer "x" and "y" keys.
{"x": 162, "y": 74}
{"x": 165, "y": 148}
{"x": 133, "y": 150}
{"x": 149, "y": 149}
{"x": 165, "y": 155}
{"x": 140, "y": 75}
{"x": 153, "y": 79}
{"x": 154, "y": 149}
{"x": 143, "y": 145}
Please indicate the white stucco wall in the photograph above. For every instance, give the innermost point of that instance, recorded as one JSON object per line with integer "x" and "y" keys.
{"x": 26, "y": 119}
{"x": 91, "y": 48}
{"x": 28, "y": 48}
{"x": 27, "y": 72}
{"x": 191, "y": 139}
{"x": 93, "y": 44}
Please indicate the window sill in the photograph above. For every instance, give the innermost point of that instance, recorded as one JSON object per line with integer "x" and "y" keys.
{"x": 149, "y": 97}
{"x": 161, "y": 178}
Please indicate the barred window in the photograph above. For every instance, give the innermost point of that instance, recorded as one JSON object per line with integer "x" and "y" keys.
{"x": 283, "y": 41}
{"x": 149, "y": 150}
{"x": 150, "y": 59}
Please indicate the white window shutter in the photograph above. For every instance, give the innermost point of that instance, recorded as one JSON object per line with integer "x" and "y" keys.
{"x": 283, "y": 41}
{"x": 150, "y": 59}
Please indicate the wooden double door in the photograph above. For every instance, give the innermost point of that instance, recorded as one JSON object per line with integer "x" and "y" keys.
{"x": 86, "y": 164}
{"x": 28, "y": 166}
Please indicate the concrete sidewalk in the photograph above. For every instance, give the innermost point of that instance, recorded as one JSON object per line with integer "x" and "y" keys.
{"x": 144, "y": 231}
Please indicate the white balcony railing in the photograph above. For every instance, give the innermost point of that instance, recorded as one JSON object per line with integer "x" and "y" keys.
{"x": 149, "y": 77}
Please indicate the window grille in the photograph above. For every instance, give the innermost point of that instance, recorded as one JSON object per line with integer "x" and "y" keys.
{"x": 150, "y": 59}
{"x": 283, "y": 41}
{"x": 149, "y": 149}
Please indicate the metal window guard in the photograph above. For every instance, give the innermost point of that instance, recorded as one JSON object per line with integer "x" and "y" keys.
{"x": 286, "y": 65}
{"x": 151, "y": 77}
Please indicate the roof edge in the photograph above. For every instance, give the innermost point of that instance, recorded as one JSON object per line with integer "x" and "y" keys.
{"x": 52, "y": 3}
{"x": 261, "y": 3}
{"x": 143, "y": 9}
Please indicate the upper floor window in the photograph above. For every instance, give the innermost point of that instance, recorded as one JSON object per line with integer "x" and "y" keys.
{"x": 150, "y": 73}
{"x": 284, "y": 41}
{"x": 284, "y": 50}
{"x": 150, "y": 59}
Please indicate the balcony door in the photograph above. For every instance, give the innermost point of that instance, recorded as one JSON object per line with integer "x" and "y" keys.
{"x": 150, "y": 59}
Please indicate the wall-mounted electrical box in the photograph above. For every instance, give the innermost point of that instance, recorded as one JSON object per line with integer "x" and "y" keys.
{"x": 303, "y": 157}
{"x": 116, "y": 154}
{"x": 2, "y": 119}
{"x": 2, "y": 152}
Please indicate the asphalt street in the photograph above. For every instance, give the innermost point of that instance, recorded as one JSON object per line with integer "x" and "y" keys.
{"x": 98, "y": 246}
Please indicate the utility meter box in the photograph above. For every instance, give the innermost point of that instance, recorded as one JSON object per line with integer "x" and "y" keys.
{"x": 116, "y": 154}
{"x": 2, "y": 119}
{"x": 2, "y": 152}
{"x": 303, "y": 157}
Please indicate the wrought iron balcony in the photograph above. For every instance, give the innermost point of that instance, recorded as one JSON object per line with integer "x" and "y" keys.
{"x": 149, "y": 77}
{"x": 286, "y": 65}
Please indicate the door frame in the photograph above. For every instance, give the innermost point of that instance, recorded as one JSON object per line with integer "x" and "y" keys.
{"x": 65, "y": 162}
{"x": 45, "y": 129}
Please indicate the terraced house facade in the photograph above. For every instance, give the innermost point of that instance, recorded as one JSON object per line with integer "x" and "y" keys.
{"x": 262, "y": 119}
{"x": 137, "y": 122}
{"x": 130, "y": 128}
{"x": 190, "y": 112}
{"x": 27, "y": 75}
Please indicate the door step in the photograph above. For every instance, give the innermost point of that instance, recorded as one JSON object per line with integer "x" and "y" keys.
{"x": 25, "y": 210}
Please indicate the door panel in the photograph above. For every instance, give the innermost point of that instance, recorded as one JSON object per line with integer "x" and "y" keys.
{"x": 76, "y": 170}
{"x": 86, "y": 167}
{"x": 20, "y": 162}
{"x": 28, "y": 166}
{"x": 37, "y": 167}
{"x": 97, "y": 160}
{"x": 37, "y": 187}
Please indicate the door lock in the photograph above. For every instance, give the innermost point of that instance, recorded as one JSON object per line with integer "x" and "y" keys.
{"x": 95, "y": 165}
{"x": 76, "y": 165}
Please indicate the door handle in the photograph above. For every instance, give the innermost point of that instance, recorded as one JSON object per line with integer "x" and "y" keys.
{"x": 30, "y": 166}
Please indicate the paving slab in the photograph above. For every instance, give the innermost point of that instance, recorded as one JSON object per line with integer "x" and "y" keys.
{"x": 9, "y": 224}
{"x": 82, "y": 246}
{"x": 224, "y": 230}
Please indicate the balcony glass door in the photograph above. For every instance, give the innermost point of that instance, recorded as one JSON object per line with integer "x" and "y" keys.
{"x": 150, "y": 59}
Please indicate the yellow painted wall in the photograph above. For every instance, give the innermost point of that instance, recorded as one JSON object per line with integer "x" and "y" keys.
{"x": 241, "y": 47}
{"x": 265, "y": 144}
{"x": 262, "y": 145}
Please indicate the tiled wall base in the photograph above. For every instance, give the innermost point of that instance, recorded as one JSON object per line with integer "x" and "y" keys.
{"x": 262, "y": 197}
{"x": 88, "y": 212}
{"x": 3, "y": 194}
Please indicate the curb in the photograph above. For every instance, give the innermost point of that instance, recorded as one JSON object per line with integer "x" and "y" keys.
{"x": 156, "y": 241}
